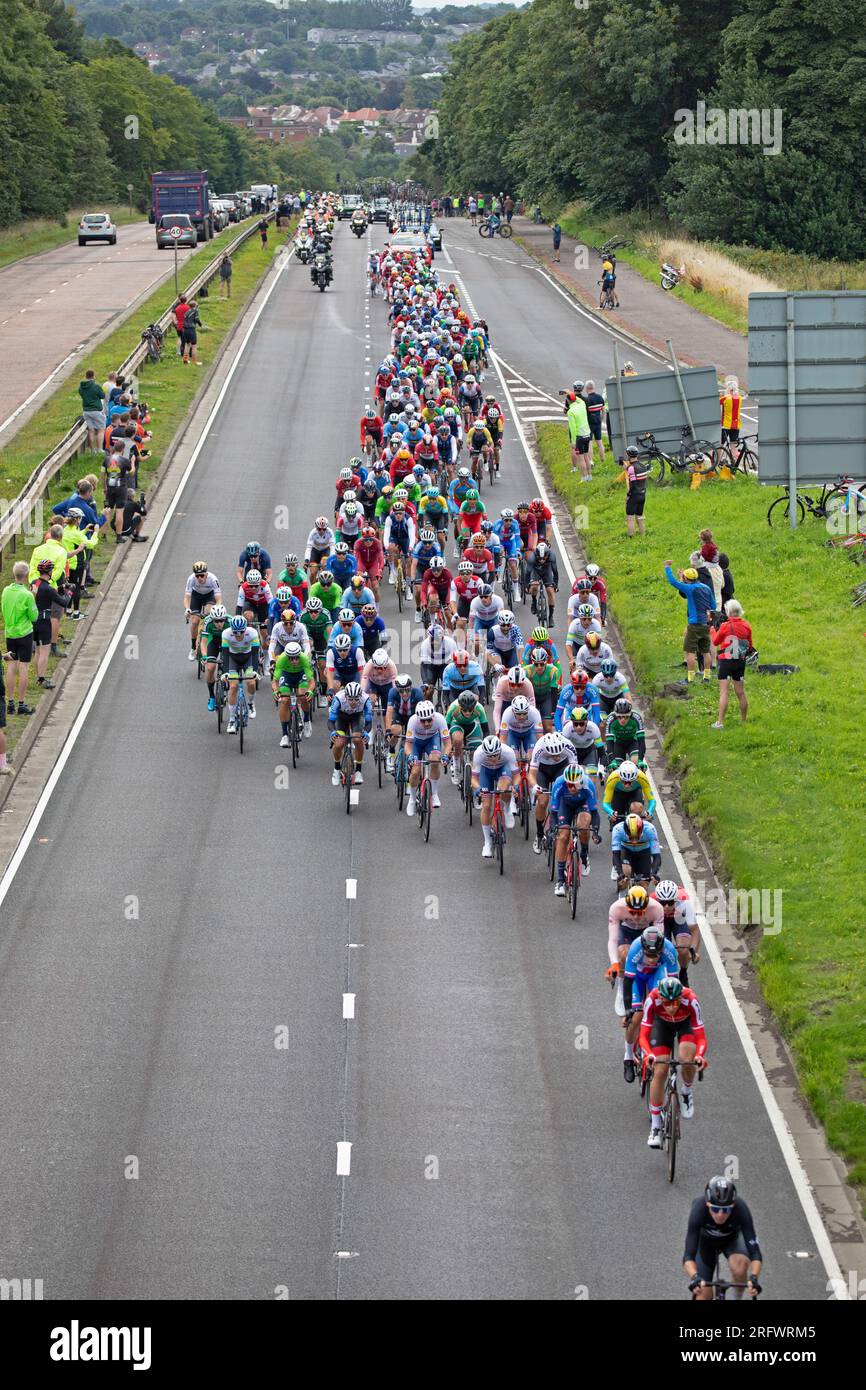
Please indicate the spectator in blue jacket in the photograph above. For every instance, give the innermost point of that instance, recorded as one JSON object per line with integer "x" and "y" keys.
{"x": 82, "y": 498}
{"x": 700, "y": 603}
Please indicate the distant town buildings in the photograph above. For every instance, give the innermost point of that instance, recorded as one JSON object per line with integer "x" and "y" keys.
{"x": 291, "y": 124}
{"x": 353, "y": 38}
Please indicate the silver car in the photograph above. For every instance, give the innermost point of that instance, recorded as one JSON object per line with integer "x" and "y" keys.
{"x": 96, "y": 226}
{"x": 188, "y": 235}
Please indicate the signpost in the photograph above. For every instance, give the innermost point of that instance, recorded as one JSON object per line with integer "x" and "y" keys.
{"x": 665, "y": 402}
{"x": 130, "y": 188}
{"x": 175, "y": 233}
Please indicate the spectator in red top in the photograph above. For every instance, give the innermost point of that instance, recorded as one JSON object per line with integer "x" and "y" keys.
{"x": 734, "y": 641}
{"x": 181, "y": 309}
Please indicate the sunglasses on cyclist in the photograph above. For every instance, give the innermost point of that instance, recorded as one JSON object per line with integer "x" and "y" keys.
{"x": 719, "y": 1210}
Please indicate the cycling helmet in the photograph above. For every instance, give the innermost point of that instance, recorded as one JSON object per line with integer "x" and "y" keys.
{"x": 345, "y": 615}
{"x": 507, "y": 513}
{"x": 666, "y": 891}
{"x": 719, "y": 1192}
{"x": 321, "y": 523}
{"x": 293, "y": 650}
{"x": 539, "y": 656}
{"x": 427, "y": 537}
{"x": 471, "y": 495}
{"x": 486, "y": 525}
{"x": 431, "y": 491}
{"x": 578, "y": 386}
{"x": 523, "y": 506}
{"x": 583, "y": 585}
{"x": 542, "y": 550}
{"x": 353, "y": 692}
{"x": 425, "y": 711}
{"x": 327, "y": 578}
{"x": 253, "y": 548}
{"x": 520, "y": 705}
{"x": 506, "y": 618}
{"x": 516, "y": 675}
{"x": 239, "y": 623}
{"x": 369, "y": 610}
{"x": 314, "y": 605}
{"x": 357, "y": 582}
{"x": 342, "y": 642}
{"x": 283, "y": 594}
{"x": 350, "y": 509}
{"x": 539, "y": 634}
{"x": 403, "y": 682}
{"x": 467, "y": 700}
{"x": 437, "y": 562}
{"x": 622, "y": 706}
{"x": 584, "y": 610}
{"x": 579, "y": 678}
{"x": 463, "y": 474}
{"x": 608, "y": 667}
{"x": 634, "y": 826}
{"x": 486, "y": 591}
{"x": 492, "y": 746}
{"x": 637, "y": 898}
{"x": 593, "y": 641}
{"x": 627, "y": 772}
{"x": 380, "y": 657}
{"x": 345, "y": 475}
{"x": 355, "y": 464}
{"x": 47, "y": 566}
{"x": 652, "y": 940}
{"x": 580, "y": 715}
{"x": 218, "y": 613}
{"x": 593, "y": 571}
{"x": 199, "y": 567}
{"x": 253, "y": 577}
{"x": 573, "y": 775}
{"x": 465, "y": 567}
{"x": 370, "y": 413}
{"x": 461, "y": 659}
{"x": 631, "y": 452}
{"x": 554, "y": 744}
{"x": 398, "y": 508}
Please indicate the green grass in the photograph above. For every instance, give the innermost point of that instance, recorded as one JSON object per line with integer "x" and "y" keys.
{"x": 774, "y": 798}
{"x": 168, "y": 388}
{"x": 29, "y": 238}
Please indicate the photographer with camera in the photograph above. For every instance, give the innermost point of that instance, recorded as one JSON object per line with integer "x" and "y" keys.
{"x": 134, "y": 512}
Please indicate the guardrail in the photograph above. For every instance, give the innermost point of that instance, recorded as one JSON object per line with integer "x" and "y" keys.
{"x": 15, "y": 519}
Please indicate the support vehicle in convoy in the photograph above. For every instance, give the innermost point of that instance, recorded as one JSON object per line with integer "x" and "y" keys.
{"x": 183, "y": 191}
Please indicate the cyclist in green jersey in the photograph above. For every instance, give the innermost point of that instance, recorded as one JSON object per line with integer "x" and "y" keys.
{"x": 317, "y": 620}
{"x": 293, "y": 671}
{"x": 210, "y": 642}
{"x": 328, "y": 592}
{"x": 467, "y": 722}
{"x": 544, "y": 677}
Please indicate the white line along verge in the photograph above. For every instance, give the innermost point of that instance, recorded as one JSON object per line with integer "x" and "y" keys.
{"x": 777, "y": 1120}
{"x": 72, "y": 737}
{"x": 344, "y": 1158}
{"x": 348, "y": 1006}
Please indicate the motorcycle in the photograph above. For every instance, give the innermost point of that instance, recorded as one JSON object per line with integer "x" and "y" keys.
{"x": 302, "y": 251}
{"x": 358, "y": 225}
{"x": 671, "y": 276}
{"x": 322, "y": 273}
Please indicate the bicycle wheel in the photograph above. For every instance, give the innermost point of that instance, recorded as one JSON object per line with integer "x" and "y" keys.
{"x": 401, "y": 588}
{"x": 379, "y": 755}
{"x": 347, "y": 768}
{"x": 508, "y": 587}
{"x": 574, "y": 885}
{"x": 506, "y": 231}
{"x": 747, "y": 462}
{"x": 779, "y": 513}
{"x": 845, "y": 510}
{"x": 543, "y": 607}
{"x": 199, "y": 662}
{"x": 672, "y": 1131}
{"x": 656, "y": 463}
{"x": 220, "y": 701}
{"x": 400, "y": 778}
{"x": 551, "y": 854}
{"x": 500, "y": 846}
{"x": 242, "y": 719}
{"x": 525, "y": 811}
{"x": 491, "y": 468}
{"x": 467, "y": 791}
{"x": 484, "y": 229}
{"x": 295, "y": 735}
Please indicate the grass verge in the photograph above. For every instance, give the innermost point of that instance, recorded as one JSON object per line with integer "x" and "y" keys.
{"x": 778, "y": 799}
{"x": 168, "y": 388}
{"x": 42, "y": 234}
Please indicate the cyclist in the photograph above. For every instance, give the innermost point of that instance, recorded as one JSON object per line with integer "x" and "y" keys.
{"x": 572, "y": 794}
{"x": 427, "y": 737}
{"x": 342, "y": 564}
{"x": 425, "y": 549}
{"x": 521, "y": 729}
{"x": 402, "y": 703}
{"x": 253, "y": 557}
{"x": 239, "y": 660}
{"x": 671, "y": 1012}
{"x": 349, "y": 717}
{"x": 626, "y": 919}
{"x": 551, "y": 756}
{"x": 542, "y": 570}
{"x": 470, "y": 400}
{"x": 508, "y": 532}
{"x": 599, "y": 588}
{"x": 378, "y": 677}
{"x": 592, "y": 654}
{"x": 458, "y": 489}
{"x": 625, "y": 739}
{"x": 254, "y": 599}
{"x": 201, "y": 593}
{"x": 720, "y": 1223}
{"x": 543, "y": 517}
{"x": 626, "y": 788}
{"x": 320, "y": 544}
{"x": 462, "y": 673}
{"x": 357, "y": 596}
{"x": 611, "y": 685}
{"x": 494, "y": 767}
{"x": 328, "y": 592}
{"x": 374, "y": 633}
{"x": 211, "y": 642}
{"x": 680, "y": 923}
{"x": 434, "y": 656}
{"x": 287, "y": 628}
{"x": 317, "y": 623}
{"x": 493, "y": 417}
{"x": 371, "y": 432}
{"x": 437, "y": 593}
{"x": 544, "y": 677}
{"x": 398, "y": 538}
{"x": 293, "y": 671}
{"x": 479, "y": 442}
{"x": 467, "y": 724}
{"x": 585, "y": 738}
{"x": 344, "y": 661}
{"x": 296, "y": 579}
{"x": 635, "y": 849}
{"x": 370, "y": 557}
{"x": 540, "y": 637}
{"x": 433, "y": 514}
{"x": 578, "y": 691}
{"x": 581, "y": 592}
{"x": 584, "y": 625}
{"x": 648, "y": 961}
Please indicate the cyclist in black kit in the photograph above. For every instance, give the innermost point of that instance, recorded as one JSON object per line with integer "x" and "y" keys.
{"x": 720, "y": 1223}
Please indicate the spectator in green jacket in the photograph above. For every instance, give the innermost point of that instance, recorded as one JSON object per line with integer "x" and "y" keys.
{"x": 93, "y": 406}
{"x": 19, "y": 614}
{"x": 580, "y": 436}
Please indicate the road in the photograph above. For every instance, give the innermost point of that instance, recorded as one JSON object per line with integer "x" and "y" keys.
{"x": 178, "y": 906}
{"x": 53, "y": 304}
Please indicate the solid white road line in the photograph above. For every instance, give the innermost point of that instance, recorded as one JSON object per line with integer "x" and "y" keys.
{"x": 774, "y": 1114}
{"x": 72, "y": 738}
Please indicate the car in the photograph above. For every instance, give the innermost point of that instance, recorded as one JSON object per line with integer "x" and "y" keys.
{"x": 188, "y": 235}
{"x": 408, "y": 241}
{"x": 232, "y": 205}
{"x": 380, "y": 210}
{"x": 219, "y": 215}
{"x": 434, "y": 236}
{"x": 349, "y": 204}
{"x": 96, "y": 226}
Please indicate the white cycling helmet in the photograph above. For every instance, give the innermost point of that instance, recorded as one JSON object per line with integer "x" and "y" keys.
{"x": 425, "y": 710}
{"x": 520, "y": 705}
{"x": 380, "y": 657}
{"x": 627, "y": 772}
{"x": 666, "y": 891}
{"x": 492, "y": 746}
{"x": 554, "y": 744}
{"x": 253, "y": 577}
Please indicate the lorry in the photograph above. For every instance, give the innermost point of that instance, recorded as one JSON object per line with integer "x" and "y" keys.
{"x": 186, "y": 191}
{"x": 264, "y": 191}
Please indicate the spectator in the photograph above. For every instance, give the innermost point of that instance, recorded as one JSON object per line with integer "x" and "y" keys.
{"x": 508, "y": 205}
{"x": 727, "y": 577}
{"x": 473, "y": 210}
{"x": 92, "y": 402}
{"x": 118, "y": 475}
{"x": 191, "y": 323}
{"x": 19, "y": 614}
{"x": 5, "y": 769}
{"x": 47, "y": 599}
{"x": 557, "y": 241}
{"x": 734, "y": 641}
{"x": 263, "y": 232}
{"x": 595, "y": 406}
{"x": 77, "y": 542}
{"x": 226, "y": 277}
{"x": 53, "y": 549}
{"x": 82, "y": 498}
{"x": 181, "y": 309}
{"x": 699, "y": 601}
{"x": 134, "y": 512}
{"x": 637, "y": 472}
{"x": 579, "y": 435}
{"x": 109, "y": 385}
{"x": 709, "y": 573}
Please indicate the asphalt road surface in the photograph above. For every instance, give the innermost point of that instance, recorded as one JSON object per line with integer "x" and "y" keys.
{"x": 52, "y": 304}
{"x": 178, "y": 906}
